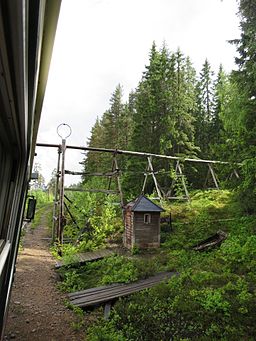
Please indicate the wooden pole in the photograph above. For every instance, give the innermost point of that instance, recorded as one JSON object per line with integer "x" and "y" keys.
{"x": 207, "y": 177}
{"x": 91, "y": 190}
{"x": 142, "y": 154}
{"x": 154, "y": 177}
{"x": 169, "y": 193}
{"x": 183, "y": 180}
{"x": 108, "y": 174}
{"x": 236, "y": 174}
{"x": 61, "y": 211}
{"x": 145, "y": 180}
{"x": 119, "y": 186}
{"x": 112, "y": 170}
{"x": 56, "y": 199}
{"x": 213, "y": 176}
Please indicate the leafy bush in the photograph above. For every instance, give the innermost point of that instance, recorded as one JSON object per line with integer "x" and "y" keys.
{"x": 104, "y": 331}
{"x": 212, "y": 298}
{"x": 72, "y": 282}
{"x": 97, "y": 218}
{"x": 42, "y": 197}
{"x": 118, "y": 270}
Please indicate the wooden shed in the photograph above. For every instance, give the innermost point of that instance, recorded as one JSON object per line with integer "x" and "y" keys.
{"x": 142, "y": 223}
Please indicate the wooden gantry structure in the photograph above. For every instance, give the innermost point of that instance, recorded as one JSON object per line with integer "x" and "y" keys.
{"x": 116, "y": 173}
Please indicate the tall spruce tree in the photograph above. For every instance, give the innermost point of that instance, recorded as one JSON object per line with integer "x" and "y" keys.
{"x": 246, "y": 84}
{"x": 112, "y": 131}
{"x": 204, "y": 114}
{"x": 113, "y": 123}
{"x": 150, "y": 106}
{"x": 94, "y": 161}
{"x": 220, "y": 103}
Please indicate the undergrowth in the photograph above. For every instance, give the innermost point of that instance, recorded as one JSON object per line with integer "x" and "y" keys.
{"x": 213, "y": 296}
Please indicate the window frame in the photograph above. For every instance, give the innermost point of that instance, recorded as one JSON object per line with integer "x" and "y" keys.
{"x": 147, "y": 218}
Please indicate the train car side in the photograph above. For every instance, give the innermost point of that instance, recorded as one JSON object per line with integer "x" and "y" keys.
{"x": 27, "y": 32}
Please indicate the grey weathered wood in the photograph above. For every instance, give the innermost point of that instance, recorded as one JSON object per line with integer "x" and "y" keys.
{"x": 116, "y": 288}
{"x": 107, "y": 310}
{"x": 81, "y": 258}
{"x": 213, "y": 176}
{"x": 183, "y": 180}
{"x": 107, "y": 174}
{"x": 212, "y": 241}
{"x": 56, "y": 198}
{"x": 61, "y": 220}
{"x": 101, "y": 295}
{"x": 145, "y": 180}
{"x": 142, "y": 154}
{"x": 177, "y": 198}
{"x": 107, "y": 191}
{"x": 236, "y": 174}
{"x": 119, "y": 185}
{"x": 150, "y": 166}
{"x": 112, "y": 170}
{"x": 179, "y": 174}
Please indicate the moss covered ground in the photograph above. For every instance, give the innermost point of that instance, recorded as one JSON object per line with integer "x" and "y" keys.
{"x": 213, "y": 298}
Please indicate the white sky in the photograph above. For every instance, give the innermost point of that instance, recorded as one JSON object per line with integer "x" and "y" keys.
{"x": 100, "y": 43}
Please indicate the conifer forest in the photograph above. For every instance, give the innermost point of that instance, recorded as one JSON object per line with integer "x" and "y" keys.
{"x": 175, "y": 111}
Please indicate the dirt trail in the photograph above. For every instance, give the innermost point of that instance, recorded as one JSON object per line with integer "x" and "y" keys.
{"x": 37, "y": 310}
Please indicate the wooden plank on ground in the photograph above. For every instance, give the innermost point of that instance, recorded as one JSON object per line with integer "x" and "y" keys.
{"x": 99, "y": 295}
{"x": 81, "y": 258}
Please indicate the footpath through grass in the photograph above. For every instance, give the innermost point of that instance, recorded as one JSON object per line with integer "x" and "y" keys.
{"x": 213, "y": 298}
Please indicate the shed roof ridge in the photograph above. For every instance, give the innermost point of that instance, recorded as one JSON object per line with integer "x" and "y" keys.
{"x": 138, "y": 200}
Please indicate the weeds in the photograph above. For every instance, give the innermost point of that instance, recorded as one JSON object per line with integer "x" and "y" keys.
{"x": 213, "y": 297}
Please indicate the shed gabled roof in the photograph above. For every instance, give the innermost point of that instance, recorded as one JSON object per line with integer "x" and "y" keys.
{"x": 143, "y": 204}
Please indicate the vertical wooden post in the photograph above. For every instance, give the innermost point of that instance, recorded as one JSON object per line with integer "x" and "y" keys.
{"x": 107, "y": 310}
{"x": 207, "y": 177}
{"x": 169, "y": 192}
{"x": 183, "y": 180}
{"x": 154, "y": 178}
{"x": 213, "y": 176}
{"x": 145, "y": 180}
{"x": 56, "y": 198}
{"x": 236, "y": 174}
{"x": 112, "y": 170}
{"x": 61, "y": 210}
{"x": 178, "y": 173}
{"x": 119, "y": 185}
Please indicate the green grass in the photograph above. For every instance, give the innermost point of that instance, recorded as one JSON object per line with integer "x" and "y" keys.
{"x": 41, "y": 210}
{"x": 214, "y": 296}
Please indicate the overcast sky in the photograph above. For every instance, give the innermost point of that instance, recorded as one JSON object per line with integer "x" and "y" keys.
{"x": 100, "y": 43}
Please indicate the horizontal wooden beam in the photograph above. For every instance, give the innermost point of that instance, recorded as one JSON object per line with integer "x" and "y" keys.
{"x": 129, "y": 152}
{"x": 109, "y": 174}
{"x": 91, "y": 190}
{"x": 172, "y": 198}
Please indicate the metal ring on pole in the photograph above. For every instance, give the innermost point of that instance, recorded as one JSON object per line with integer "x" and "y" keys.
{"x": 68, "y": 133}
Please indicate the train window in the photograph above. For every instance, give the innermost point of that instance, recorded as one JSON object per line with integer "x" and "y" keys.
{"x": 5, "y": 177}
{"x": 2, "y": 163}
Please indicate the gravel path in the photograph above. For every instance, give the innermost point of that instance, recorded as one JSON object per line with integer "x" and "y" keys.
{"x": 37, "y": 310}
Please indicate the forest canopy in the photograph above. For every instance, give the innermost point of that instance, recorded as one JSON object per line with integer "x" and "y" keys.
{"x": 178, "y": 111}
